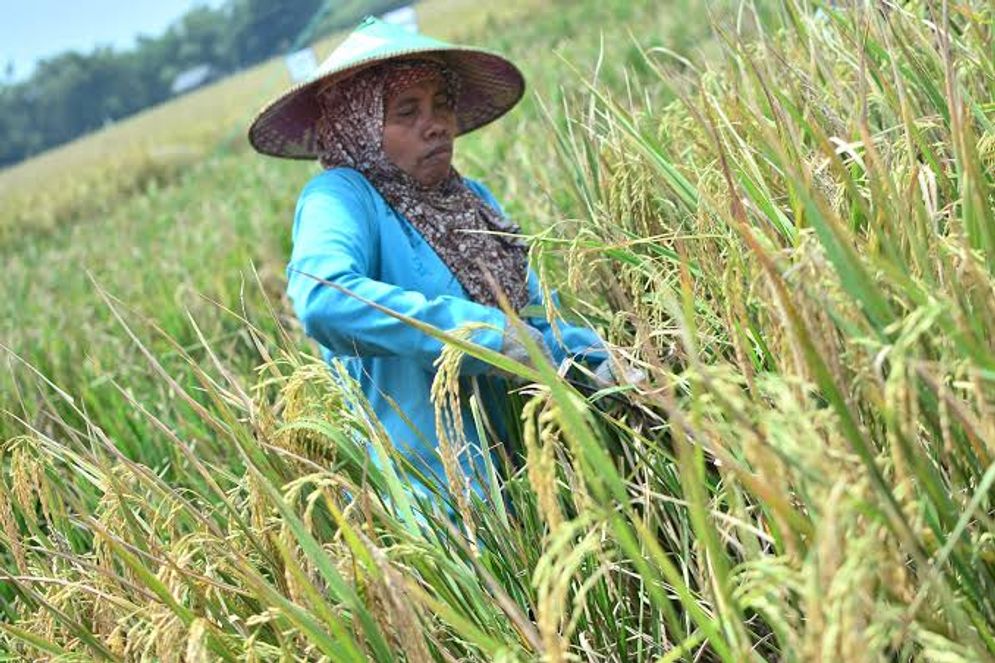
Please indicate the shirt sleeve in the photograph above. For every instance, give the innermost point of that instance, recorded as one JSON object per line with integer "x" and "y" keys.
{"x": 334, "y": 239}
{"x": 567, "y": 340}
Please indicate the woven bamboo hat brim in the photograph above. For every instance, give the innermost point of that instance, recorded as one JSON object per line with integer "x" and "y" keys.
{"x": 490, "y": 85}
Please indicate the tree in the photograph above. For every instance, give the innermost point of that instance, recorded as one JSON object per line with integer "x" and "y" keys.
{"x": 73, "y": 92}
{"x": 263, "y": 28}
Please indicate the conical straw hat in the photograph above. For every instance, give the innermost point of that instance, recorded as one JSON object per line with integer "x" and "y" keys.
{"x": 489, "y": 86}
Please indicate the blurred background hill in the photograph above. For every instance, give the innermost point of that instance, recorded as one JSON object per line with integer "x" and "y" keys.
{"x": 195, "y": 109}
{"x": 73, "y": 93}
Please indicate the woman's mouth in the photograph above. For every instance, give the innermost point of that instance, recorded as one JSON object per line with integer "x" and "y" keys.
{"x": 442, "y": 151}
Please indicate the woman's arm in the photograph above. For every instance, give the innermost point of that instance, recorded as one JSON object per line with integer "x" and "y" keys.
{"x": 334, "y": 239}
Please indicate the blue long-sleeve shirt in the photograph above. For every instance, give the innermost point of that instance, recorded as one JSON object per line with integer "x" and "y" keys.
{"x": 345, "y": 233}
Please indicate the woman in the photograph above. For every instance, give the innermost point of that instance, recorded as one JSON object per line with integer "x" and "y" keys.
{"x": 391, "y": 223}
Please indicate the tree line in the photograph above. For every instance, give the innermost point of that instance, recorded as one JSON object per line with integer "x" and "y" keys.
{"x": 73, "y": 93}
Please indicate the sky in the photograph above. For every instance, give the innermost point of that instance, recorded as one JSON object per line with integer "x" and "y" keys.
{"x": 34, "y": 29}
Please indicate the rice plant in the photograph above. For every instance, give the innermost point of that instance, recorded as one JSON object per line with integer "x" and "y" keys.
{"x": 791, "y": 236}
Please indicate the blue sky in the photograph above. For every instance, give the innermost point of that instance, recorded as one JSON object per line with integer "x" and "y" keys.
{"x": 33, "y": 29}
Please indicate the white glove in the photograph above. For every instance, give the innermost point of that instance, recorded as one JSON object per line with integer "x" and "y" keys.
{"x": 608, "y": 375}
{"x": 513, "y": 347}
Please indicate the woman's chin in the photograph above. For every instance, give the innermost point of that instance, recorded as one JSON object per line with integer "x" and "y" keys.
{"x": 434, "y": 177}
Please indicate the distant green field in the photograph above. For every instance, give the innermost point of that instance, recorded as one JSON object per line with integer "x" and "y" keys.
{"x": 781, "y": 211}
{"x": 86, "y": 177}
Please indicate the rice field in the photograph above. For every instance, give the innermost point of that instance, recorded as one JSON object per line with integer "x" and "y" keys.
{"x": 781, "y": 212}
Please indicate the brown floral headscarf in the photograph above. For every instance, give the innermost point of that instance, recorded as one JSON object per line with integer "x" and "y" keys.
{"x": 454, "y": 221}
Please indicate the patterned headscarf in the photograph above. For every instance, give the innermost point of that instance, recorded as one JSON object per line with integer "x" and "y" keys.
{"x": 454, "y": 221}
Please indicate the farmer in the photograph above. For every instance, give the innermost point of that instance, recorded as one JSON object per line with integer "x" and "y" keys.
{"x": 391, "y": 223}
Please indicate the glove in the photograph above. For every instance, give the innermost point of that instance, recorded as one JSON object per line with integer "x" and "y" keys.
{"x": 608, "y": 375}
{"x": 513, "y": 347}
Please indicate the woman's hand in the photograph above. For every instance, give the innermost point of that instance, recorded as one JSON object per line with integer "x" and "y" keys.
{"x": 513, "y": 345}
{"x": 612, "y": 374}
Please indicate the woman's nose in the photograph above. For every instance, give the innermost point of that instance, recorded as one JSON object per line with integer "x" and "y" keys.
{"x": 439, "y": 123}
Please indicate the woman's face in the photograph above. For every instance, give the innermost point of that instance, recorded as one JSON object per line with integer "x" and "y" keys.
{"x": 418, "y": 130}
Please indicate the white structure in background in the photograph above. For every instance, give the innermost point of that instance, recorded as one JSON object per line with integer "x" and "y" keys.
{"x": 194, "y": 77}
{"x": 403, "y": 16}
{"x": 301, "y": 64}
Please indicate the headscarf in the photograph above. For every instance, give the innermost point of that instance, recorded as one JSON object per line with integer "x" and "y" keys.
{"x": 454, "y": 221}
